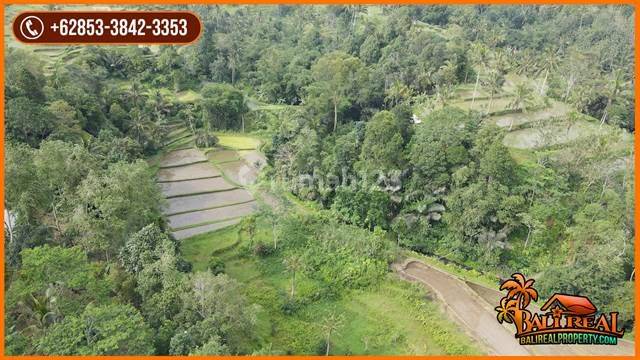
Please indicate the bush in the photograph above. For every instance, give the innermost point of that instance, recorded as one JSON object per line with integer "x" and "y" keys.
{"x": 262, "y": 250}
{"x": 215, "y": 265}
{"x": 204, "y": 139}
{"x": 290, "y": 306}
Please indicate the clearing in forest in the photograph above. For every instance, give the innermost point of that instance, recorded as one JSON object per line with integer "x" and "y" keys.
{"x": 204, "y": 189}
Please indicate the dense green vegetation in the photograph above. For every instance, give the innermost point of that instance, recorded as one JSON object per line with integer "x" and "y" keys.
{"x": 496, "y": 137}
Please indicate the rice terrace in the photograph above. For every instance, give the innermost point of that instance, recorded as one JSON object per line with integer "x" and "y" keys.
{"x": 321, "y": 180}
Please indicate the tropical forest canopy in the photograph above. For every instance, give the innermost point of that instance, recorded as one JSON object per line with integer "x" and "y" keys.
{"x": 499, "y": 138}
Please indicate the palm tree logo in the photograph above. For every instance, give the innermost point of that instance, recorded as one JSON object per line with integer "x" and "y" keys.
{"x": 513, "y": 306}
{"x": 507, "y": 310}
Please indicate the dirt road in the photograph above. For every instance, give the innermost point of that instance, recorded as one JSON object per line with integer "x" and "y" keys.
{"x": 477, "y": 317}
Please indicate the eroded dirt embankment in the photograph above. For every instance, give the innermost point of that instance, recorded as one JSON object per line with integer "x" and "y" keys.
{"x": 471, "y": 305}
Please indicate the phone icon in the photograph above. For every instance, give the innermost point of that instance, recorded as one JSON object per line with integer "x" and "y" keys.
{"x": 31, "y": 27}
{"x": 28, "y": 25}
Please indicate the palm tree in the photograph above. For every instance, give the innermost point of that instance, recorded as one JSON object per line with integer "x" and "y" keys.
{"x": 522, "y": 99}
{"x": 615, "y": 83}
{"x": 272, "y": 215}
{"x": 160, "y": 106}
{"x": 248, "y": 225}
{"x": 293, "y": 263}
{"x": 506, "y": 310}
{"x": 493, "y": 82}
{"x": 397, "y": 93}
{"x": 520, "y": 289}
{"x": 39, "y": 311}
{"x": 139, "y": 124}
{"x": 330, "y": 324}
{"x": 526, "y": 62}
{"x": 549, "y": 63}
{"x": 135, "y": 94}
{"x": 480, "y": 55}
{"x": 444, "y": 94}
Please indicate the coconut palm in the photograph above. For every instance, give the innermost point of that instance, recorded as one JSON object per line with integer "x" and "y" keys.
{"x": 444, "y": 93}
{"x": 160, "y": 106}
{"x": 135, "y": 94}
{"x": 397, "y": 93}
{"x": 140, "y": 124}
{"x": 293, "y": 263}
{"x": 520, "y": 289}
{"x": 614, "y": 86}
{"x": 480, "y": 56}
{"x": 39, "y": 311}
{"x": 330, "y": 324}
{"x": 493, "y": 81}
{"x": 526, "y": 62}
{"x": 522, "y": 99}
{"x": 549, "y": 63}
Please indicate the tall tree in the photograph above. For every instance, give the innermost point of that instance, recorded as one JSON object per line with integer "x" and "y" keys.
{"x": 338, "y": 81}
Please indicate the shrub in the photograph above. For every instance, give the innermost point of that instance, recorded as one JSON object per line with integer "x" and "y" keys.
{"x": 262, "y": 250}
{"x": 204, "y": 139}
{"x": 290, "y": 306}
{"x": 215, "y": 265}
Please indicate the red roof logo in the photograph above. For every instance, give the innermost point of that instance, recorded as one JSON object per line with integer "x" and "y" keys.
{"x": 571, "y": 304}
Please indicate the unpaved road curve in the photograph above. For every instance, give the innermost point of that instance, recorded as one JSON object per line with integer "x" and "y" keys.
{"x": 477, "y": 317}
{"x": 471, "y": 314}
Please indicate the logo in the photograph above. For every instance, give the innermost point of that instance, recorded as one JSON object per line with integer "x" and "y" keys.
{"x": 31, "y": 27}
{"x": 563, "y": 319}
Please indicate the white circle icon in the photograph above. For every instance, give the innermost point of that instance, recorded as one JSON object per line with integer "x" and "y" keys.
{"x": 31, "y": 27}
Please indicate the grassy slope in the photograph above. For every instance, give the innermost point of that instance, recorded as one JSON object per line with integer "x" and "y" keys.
{"x": 392, "y": 318}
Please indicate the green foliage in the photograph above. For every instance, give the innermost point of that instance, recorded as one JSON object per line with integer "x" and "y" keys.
{"x": 339, "y": 80}
{"x": 53, "y": 282}
{"x": 214, "y": 308}
{"x": 364, "y": 208}
{"x": 222, "y": 106}
{"x": 114, "y": 204}
{"x": 99, "y": 330}
{"x": 77, "y": 192}
{"x": 344, "y": 257}
{"x": 382, "y": 148}
{"x": 215, "y": 265}
{"x": 439, "y": 148}
{"x": 26, "y": 121}
{"x": 143, "y": 248}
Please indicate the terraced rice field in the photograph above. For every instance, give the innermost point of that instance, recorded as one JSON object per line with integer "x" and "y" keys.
{"x": 189, "y": 232}
{"x": 544, "y": 126}
{"x": 196, "y": 186}
{"x": 557, "y": 109}
{"x": 201, "y": 217}
{"x": 204, "y": 189}
{"x": 190, "y": 203}
{"x": 200, "y": 170}
{"x": 183, "y": 157}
